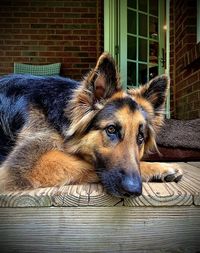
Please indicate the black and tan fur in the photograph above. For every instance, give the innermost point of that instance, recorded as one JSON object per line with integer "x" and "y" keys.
{"x": 81, "y": 133}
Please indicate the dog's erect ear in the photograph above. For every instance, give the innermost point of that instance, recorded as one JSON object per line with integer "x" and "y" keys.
{"x": 152, "y": 98}
{"x": 154, "y": 92}
{"x": 100, "y": 84}
{"x": 103, "y": 81}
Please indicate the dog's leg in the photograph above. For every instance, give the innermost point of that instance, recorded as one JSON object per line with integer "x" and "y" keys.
{"x": 28, "y": 149}
{"x": 57, "y": 168}
{"x": 52, "y": 168}
{"x": 165, "y": 172}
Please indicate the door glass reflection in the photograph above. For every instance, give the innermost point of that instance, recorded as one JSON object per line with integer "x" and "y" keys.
{"x": 153, "y": 72}
{"x": 153, "y": 7}
{"x": 131, "y": 21}
{"x": 131, "y": 80}
{"x": 153, "y": 52}
{"x": 153, "y": 28}
{"x": 143, "y": 25}
{"x": 142, "y": 73}
{"x": 132, "y": 4}
{"x": 143, "y": 50}
{"x": 132, "y": 47}
{"x": 143, "y": 5}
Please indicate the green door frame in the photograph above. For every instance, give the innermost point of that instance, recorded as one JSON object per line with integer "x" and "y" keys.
{"x": 123, "y": 40}
{"x": 110, "y": 26}
{"x": 115, "y": 37}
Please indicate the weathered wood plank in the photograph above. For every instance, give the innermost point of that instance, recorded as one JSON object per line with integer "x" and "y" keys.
{"x": 191, "y": 181}
{"x": 32, "y": 198}
{"x": 100, "y": 229}
{"x": 186, "y": 192}
{"x": 161, "y": 194}
{"x": 99, "y": 197}
{"x": 190, "y": 169}
{"x": 71, "y": 195}
{"x": 154, "y": 194}
{"x": 195, "y": 164}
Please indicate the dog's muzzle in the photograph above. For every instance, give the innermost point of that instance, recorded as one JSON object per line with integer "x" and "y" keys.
{"x": 121, "y": 184}
{"x": 131, "y": 186}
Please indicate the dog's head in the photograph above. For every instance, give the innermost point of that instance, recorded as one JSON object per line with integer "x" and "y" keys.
{"x": 112, "y": 128}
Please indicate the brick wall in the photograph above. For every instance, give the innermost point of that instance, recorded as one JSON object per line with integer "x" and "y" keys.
{"x": 185, "y": 60}
{"x": 172, "y": 101}
{"x": 42, "y": 32}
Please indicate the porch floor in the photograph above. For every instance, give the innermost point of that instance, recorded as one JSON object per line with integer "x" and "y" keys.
{"x": 184, "y": 193}
{"x": 84, "y": 218}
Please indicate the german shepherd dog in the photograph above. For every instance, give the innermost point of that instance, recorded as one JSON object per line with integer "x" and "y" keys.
{"x": 56, "y": 131}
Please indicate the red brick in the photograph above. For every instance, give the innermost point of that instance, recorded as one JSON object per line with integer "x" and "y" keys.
{"x": 196, "y": 85}
{"x": 21, "y": 59}
{"x": 81, "y": 32}
{"x": 39, "y": 14}
{"x": 63, "y": 31}
{"x": 4, "y": 70}
{"x": 194, "y": 114}
{"x": 47, "y": 54}
{"x": 12, "y": 42}
{"x": 11, "y": 31}
{"x": 71, "y": 37}
{"x": 21, "y": 37}
{"x": 21, "y": 26}
{"x": 29, "y": 31}
{"x": 29, "y": 20}
{"x": 197, "y": 105}
{"x": 37, "y": 32}
{"x": 44, "y": 42}
{"x": 75, "y": 10}
{"x": 6, "y": 65}
{"x": 38, "y": 60}
{"x": 64, "y": 10}
{"x": 64, "y": 20}
{"x": 12, "y": 53}
{"x": 187, "y": 72}
{"x": 45, "y": 9}
{"x": 29, "y": 42}
{"x": 80, "y": 43}
{"x": 47, "y": 20}
{"x": 64, "y": 54}
{"x": 39, "y": 37}
{"x": 54, "y": 59}
{"x": 55, "y": 15}
{"x": 55, "y": 48}
{"x": 194, "y": 96}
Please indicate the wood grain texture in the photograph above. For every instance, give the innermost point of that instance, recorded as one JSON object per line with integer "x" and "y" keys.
{"x": 161, "y": 194}
{"x": 191, "y": 181}
{"x": 100, "y": 229}
{"x": 184, "y": 193}
{"x": 72, "y": 195}
{"x": 32, "y": 198}
{"x": 195, "y": 164}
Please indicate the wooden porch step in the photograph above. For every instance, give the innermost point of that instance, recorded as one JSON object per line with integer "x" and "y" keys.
{"x": 85, "y": 219}
{"x": 184, "y": 193}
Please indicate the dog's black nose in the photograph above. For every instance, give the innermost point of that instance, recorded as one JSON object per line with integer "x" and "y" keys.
{"x": 131, "y": 186}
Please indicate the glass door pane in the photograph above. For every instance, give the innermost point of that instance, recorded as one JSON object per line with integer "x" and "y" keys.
{"x": 144, "y": 41}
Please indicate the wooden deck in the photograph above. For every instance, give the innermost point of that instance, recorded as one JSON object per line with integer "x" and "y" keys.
{"x": 84, "y": 218}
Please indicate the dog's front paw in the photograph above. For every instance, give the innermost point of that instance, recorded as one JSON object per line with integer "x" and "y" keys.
{"x": 171, "y": 172}
{"x": 164, "y": 172}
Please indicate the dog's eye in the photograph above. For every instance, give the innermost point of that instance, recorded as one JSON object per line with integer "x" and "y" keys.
{"x": 140, "y": 138}
{"x": 110, "y": 130}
